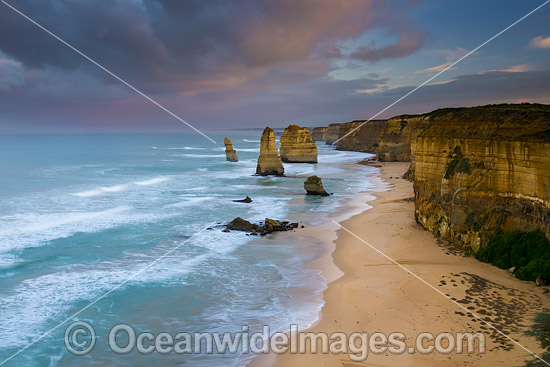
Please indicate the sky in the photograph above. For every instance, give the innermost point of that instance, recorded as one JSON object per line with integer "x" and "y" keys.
{"x": 251, "y": 63}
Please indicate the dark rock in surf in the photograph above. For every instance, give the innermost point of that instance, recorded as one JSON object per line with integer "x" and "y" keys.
{"x": 247, "y": 199}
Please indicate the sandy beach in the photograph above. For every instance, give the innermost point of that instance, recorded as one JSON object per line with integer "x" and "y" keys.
{"x": 368, "y": 293}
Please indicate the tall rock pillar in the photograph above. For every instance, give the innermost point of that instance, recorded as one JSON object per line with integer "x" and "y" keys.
{"x": 269, "y": 162}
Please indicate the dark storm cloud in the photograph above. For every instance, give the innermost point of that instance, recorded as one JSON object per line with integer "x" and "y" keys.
{"x": 242, "y": 62}
{"x": 187, "y": 46}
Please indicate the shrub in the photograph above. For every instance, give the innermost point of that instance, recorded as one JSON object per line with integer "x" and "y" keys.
{"x": 529, "y": 252}
{"x": 457, "y": 164}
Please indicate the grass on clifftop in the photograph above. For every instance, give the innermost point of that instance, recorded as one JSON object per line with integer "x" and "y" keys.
{"x": 528, "y": 252}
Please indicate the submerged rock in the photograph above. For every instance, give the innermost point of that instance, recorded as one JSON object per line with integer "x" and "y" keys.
{"x": 297, "y": 145}
{"x": 269, "y": 162}
{"x": 230, "y": 153}
{"x": 247, "y": 199}
{"x": 314, "y": 186}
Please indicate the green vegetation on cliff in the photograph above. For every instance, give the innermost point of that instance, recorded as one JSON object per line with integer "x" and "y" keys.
{"x": 541, "y": 331}
{"x": 457, "y": 164}
{"x": 528, "y": 252}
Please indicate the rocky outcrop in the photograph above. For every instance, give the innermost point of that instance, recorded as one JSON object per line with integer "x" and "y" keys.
{"x": 230, "y": 153}
{"x": 482, "y": 171}
{"x": 239, "y": 224}
{"x": 262, "y": 229}
{"x": 314, "y": 186}
{"x": 269, "y": 162}
{"x": 247, "y": 199}
{"x": 360, "y": 135}
{"x": 319, "y": 133}
{"x": 297, "y": 146}
{"x": 333, "y": 131}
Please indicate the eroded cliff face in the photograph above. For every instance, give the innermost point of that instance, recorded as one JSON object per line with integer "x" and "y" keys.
{"x": 389, "y": 139}
{"x": 394, "y": 143}
{"x": 360, "y": 136}
{"x": 332, "y": 133}
{"x": 297, "y": 145}
{"x": 319, "y": 133}
{"x": 482, "y": 171}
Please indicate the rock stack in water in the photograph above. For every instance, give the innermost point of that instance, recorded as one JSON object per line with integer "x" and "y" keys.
{"x": 230, "y": 153}
{"x": 314, "y": 186}
{"x": 297, "y": 145}
{"x": 269, "y": 162}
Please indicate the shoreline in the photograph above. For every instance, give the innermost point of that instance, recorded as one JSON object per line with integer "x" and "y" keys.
{"x": 367, "y": 293}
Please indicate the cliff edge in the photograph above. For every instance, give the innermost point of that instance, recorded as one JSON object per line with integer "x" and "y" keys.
{"x": 482, "y": 171}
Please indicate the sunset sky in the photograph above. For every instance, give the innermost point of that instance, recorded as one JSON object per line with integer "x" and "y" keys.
{"x": 252, "y": 63}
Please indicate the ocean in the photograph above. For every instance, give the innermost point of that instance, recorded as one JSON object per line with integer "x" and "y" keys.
{"x": 81, "y": 214}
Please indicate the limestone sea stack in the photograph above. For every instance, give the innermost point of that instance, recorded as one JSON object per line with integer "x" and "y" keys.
{"x": 297, "y": 145}
{"x": 269, "y": 162}
{"x": 314, "y": 186}
{"x": 230, "y": 153}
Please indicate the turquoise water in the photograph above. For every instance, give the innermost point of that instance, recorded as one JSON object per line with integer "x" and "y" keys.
{"x": 80, "y": 214}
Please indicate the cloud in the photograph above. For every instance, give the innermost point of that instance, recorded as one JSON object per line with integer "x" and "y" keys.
{"x": 11, "y": 73}
{"x": 317, "y": 101}
{"x": 435, "y": 69}
{"x": 219, "y": 49}
{"x": 406, "y": 45}
{"x": 516, "y": 68}
{"x": 190, "y": 47}
{"x": 450, "y": 57}
{"x": 540, "y": 42}
{"x": 327, "y": 100}
{"x": 442, "y": 82}
{"x": 472, "y": 90}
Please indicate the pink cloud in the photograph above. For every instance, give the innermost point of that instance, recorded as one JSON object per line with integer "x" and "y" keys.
{"x": 540, "y": 42}
{"x": 407, "y": 44}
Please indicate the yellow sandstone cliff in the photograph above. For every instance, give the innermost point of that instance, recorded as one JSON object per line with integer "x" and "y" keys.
{"x": 269, "y": 161}
{"x": 332, "y": 133}
{"x": 477, "y": 171}
{"x": 360, "y": 135}
{"x": 482, "y": 171}
{"x": 394, "y": 143}
{"x": 298, "y": 146}
{"x": 389, "y": 139}
{"x": 319, "y": 133}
